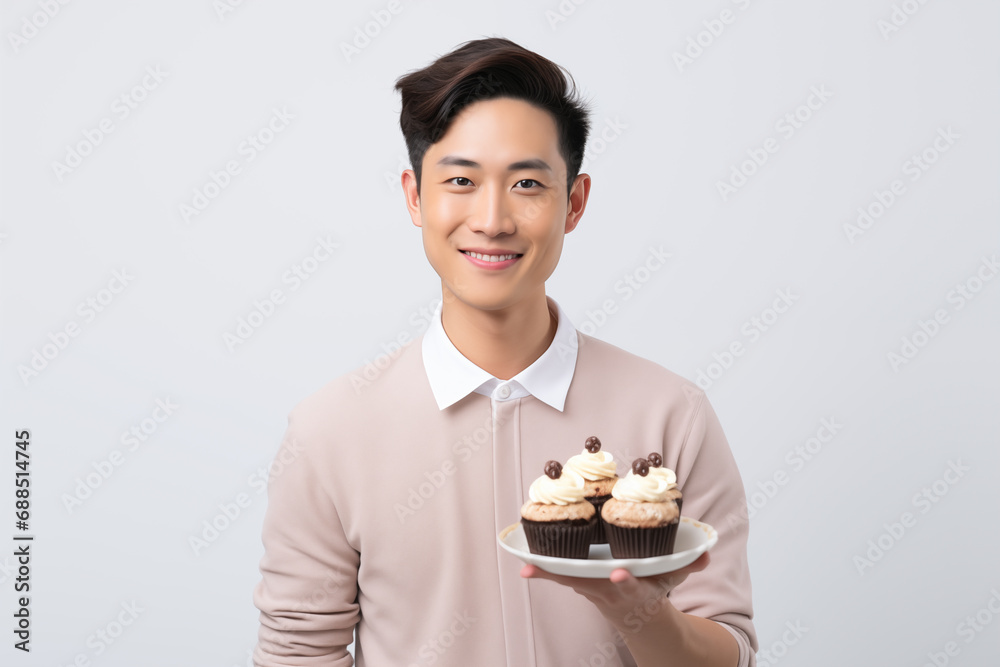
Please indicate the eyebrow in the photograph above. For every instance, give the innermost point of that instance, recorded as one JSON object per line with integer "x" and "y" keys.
{"x": 534, "y": 163}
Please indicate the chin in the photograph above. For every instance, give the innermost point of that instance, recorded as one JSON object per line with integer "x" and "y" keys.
{"x": 484, "y": 301}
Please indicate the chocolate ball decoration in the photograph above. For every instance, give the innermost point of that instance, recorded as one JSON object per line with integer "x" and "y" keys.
{"x": 553, "y": 469}
{"x": 593, "y": 444}
{"x": 655, "y": 460}
{"x": 640, "y": 467}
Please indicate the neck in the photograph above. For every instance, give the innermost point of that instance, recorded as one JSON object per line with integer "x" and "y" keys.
{"x": 502, "y": 342}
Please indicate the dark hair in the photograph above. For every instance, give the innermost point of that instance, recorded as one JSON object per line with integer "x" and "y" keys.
{"x": 484, "y": 69}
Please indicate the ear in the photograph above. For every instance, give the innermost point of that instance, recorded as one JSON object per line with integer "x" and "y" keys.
{"x": 577, "y": 201}
{"x": 409, "y": 182}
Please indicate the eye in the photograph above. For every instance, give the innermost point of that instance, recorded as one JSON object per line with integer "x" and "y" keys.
{"x": 459, "y": 178}
{"x": 530, "y": 180}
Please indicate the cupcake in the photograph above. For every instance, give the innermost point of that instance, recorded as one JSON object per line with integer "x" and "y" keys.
{"x": 641, "y": 518}
{"x": 598, "y": 469}
{"x": 674, "y": 493}
{"x": 558, "y": 520}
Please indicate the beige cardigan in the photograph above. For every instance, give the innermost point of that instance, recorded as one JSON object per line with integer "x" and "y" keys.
{"x": 383, "y": 513}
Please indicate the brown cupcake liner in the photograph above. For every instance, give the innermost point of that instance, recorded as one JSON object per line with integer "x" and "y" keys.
{"x": 563, "y": 539}
{"x": 673, "y": 536}
{"x": 641, "y": 542}
{"x": 598, "y": 536}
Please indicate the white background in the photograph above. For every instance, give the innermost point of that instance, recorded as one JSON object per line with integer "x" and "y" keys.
{"x": 332, "y": 173}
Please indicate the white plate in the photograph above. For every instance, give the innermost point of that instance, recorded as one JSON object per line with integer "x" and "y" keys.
{"x": 693, "y": 539}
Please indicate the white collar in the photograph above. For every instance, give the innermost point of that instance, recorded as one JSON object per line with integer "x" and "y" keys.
{"x": 452, "y": 376}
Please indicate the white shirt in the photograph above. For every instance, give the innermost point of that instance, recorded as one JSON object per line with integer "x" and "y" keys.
{"x": 453, "y": 376}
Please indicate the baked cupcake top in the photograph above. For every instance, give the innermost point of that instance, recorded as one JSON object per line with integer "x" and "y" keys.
{"x": 557, "y": 495}
{"x": 592, "y": 464}
{"x": 639, "y": 515}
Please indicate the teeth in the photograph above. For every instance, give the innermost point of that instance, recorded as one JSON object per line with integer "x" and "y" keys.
{"x": 489, "y": 258}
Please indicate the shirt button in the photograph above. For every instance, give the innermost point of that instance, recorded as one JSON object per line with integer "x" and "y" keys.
{"x": 503, "y": 391}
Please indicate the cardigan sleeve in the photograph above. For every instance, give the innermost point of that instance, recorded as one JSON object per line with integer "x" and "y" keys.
{"x": 307, "y": 595}
{"x": 714, "y": 494}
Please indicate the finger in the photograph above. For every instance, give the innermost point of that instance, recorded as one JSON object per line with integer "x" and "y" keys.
{"x": 621, "y": 575}
{"x": 664, "y": 582}
{"x": 627, "y": 584}
{"x": 535, "y": 572}
{"x": 598, "y": 591}
{"x": 698, "y": 565}
{"x": 678, "y": 577}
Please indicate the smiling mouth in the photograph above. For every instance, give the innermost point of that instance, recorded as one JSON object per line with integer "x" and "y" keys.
{"x": 491, "y": 258}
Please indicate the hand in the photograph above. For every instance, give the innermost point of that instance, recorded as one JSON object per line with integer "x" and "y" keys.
{"x": 624, "y": 600}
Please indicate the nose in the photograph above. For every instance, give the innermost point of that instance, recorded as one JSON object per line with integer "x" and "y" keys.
{"x": 492, "y": 214}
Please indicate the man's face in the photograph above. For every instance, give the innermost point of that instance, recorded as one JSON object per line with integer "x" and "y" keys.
{"x": 492, "y": 203}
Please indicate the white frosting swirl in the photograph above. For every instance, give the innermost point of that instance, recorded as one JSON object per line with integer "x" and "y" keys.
{"x": 638, "y": 489}
{"x": 600, "y": 465}
{"x": 667, "y": 474}
{"x": 563, "y": 491}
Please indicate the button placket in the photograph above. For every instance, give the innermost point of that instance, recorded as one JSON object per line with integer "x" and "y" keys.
{"x": 515, "y": 605}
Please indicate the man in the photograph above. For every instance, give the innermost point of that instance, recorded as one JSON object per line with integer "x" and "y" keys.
{"x": 386, "y": 519}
